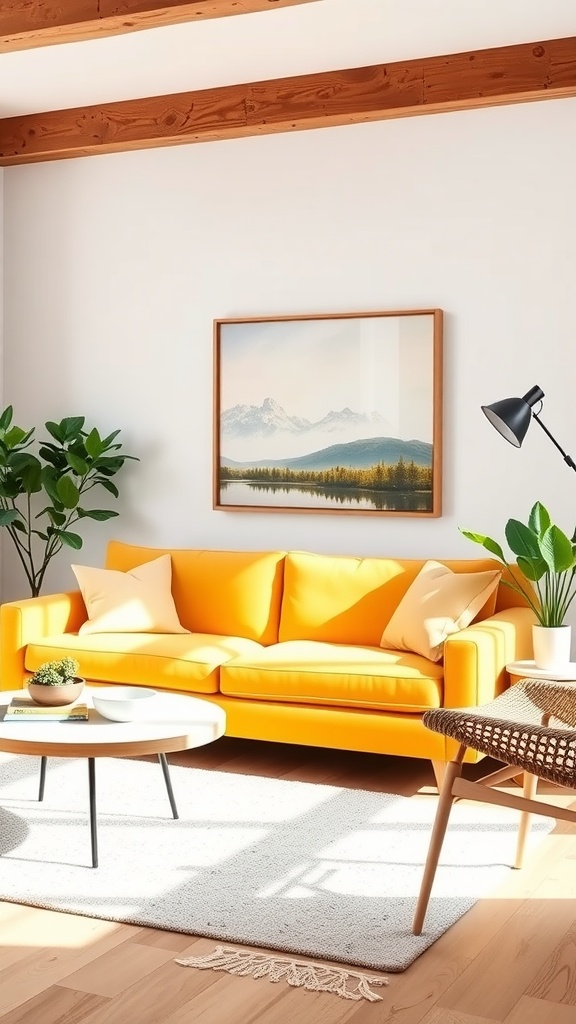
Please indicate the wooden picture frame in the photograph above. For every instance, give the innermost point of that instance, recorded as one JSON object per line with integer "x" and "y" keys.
{"x": 329, "y": 413}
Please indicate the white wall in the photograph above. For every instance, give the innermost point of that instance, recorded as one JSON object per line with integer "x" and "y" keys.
{"x": 116, "y": 266}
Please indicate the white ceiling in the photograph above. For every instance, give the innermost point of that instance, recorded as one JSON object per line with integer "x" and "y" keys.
{"x": 319, "y": 36}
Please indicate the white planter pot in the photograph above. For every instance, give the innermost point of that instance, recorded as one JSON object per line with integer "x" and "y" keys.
{"x": 551, "y": 646}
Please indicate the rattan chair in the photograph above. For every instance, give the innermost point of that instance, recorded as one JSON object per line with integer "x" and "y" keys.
{"x": 531, "y": 727}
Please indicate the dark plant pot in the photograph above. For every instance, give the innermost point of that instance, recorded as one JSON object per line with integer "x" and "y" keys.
{"x": 56, "y": 696}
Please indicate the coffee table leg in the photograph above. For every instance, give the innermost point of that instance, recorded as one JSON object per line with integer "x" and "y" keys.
{"x": 43, "y": 761}
{"x": 166, "y": 773}
{"x": 93, "y": 823}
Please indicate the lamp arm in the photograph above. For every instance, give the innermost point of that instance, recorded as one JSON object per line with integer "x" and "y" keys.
{"x": 567, "y": 459}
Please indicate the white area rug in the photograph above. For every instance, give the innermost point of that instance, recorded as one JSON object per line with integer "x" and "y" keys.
{"x": 312, "y": 870}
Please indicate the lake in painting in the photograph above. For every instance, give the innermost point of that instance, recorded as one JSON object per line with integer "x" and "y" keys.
{"x": 239, "y": 493}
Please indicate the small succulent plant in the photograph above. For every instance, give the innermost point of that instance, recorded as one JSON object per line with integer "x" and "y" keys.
{"x": 56, "y": 673}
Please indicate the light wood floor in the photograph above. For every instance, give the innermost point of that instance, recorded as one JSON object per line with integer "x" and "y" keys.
{"x": 511, "y": 959}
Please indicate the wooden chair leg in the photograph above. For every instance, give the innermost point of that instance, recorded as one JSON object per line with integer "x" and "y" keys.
{"x": 453, "y": 771}
{"x": 529, "y": 791}
{"x": 439, "y": 773}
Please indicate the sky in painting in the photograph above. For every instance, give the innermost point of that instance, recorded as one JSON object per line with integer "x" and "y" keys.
{"x": 381, "y": 365}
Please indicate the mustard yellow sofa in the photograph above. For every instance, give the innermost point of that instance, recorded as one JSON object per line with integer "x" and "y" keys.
{"x": 288, "y": 643}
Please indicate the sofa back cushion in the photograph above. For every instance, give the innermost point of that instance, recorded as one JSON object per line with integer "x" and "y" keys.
{"x": 345, "y": 600}
{"x": 230, "y": 593}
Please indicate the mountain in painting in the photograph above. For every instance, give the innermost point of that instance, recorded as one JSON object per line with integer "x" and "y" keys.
{"x": 250, "y": 432}
{"x": 260, "y": 421}
{"x": 360, "y": 454}
{"x": 263, "y": 420}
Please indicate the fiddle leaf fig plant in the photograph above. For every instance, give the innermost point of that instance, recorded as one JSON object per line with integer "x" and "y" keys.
{"x": 43, "y": 496}
{"x": 545, "y": 557}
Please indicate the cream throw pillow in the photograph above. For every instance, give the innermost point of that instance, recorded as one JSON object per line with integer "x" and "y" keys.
{"x": 139, "y": 601}
{"x": 439, "y": 602}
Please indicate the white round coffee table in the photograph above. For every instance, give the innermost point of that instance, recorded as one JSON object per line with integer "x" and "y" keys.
{"x": 172, "y": 721}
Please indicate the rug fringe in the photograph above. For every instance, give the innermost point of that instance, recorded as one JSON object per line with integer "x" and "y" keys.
{"x": 299, "y": 973}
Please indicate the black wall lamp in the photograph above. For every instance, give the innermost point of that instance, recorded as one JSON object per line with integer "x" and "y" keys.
{"x": 512, "y": 416}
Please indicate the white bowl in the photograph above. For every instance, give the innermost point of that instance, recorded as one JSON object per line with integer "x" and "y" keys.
{"x": 123, "y": 703}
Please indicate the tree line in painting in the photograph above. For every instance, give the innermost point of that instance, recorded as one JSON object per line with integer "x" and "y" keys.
{"x": 400, "y": 476}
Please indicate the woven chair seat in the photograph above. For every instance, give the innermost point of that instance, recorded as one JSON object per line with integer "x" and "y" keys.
{"x": 532, "y": 725}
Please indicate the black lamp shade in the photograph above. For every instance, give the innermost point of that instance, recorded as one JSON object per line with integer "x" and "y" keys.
{"x": 512, "y": 416}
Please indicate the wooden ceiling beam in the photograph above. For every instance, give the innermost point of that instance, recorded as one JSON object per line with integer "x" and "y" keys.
{"x": 481, "y": 78}
{"x": 30, "y": 23}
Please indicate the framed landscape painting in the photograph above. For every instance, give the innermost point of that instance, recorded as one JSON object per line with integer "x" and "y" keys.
{"x": 330, "y": 413}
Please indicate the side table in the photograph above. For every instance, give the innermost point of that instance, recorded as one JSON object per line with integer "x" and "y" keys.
{"x": 527, "y": 670}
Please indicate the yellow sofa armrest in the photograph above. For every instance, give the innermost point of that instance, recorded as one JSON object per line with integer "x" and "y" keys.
{"x": 475, "y": 659}
{"x": 23, "y": 622}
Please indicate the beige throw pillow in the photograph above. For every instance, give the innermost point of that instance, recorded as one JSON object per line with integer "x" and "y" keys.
{"x": 439, "y": 602}
{"x": 139, "y": 601}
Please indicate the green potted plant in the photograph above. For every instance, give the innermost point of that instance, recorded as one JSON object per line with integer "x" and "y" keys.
{"x": 43, "y": 496}
{"x": 56, "y": 683}
{"x": 546, "y": 560}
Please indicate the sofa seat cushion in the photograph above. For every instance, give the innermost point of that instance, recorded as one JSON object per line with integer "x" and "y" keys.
{"x": 310, "y": 672}
{"x": 173, "y": 662}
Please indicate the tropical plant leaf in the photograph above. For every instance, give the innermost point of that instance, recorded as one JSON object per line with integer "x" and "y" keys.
{"x": 110, "y": 438}
{"x": 71, "y": 427}
{"x": 539, "y": 519}
{"x": 17, "y": 461}
{"x": 54, "y": 456}
{"x": 31, "y": 477}
{"x": 109, "y": 465}
{"x": 16, "y": 436}
{"x": 57, "y": 517}
{"x": 77, "y": 464}
{"x": 55, "y": 430}
{"x": 522, "y": 540}
{"x": 491, "y": 545}
{"x": 12, "y": 487}
{"x": 71, "y": 540}
{"x": 6, "y": 417}
{"x": 100, "y": 514}
{"x": 49, "y": 482}
{"x": 556, "y": 550}
{"x": 108, "y": 485}
{"x": 94, "y": 444}
{"x": 67, "y": 492}
{"x": 9, "y": 516}
{"x": 107, "y": 441}
{"x": 532, "y": 568}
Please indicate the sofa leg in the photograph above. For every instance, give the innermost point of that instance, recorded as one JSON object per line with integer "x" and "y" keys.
{"x": 439, "y": 773}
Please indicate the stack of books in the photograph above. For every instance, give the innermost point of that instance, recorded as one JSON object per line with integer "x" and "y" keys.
{"x": 21, "y": 709}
